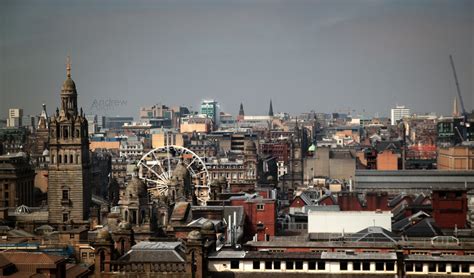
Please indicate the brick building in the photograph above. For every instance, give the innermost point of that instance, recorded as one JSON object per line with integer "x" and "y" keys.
{"x": 450, "y": 208}
{"x": 260, "y": 216}
{"x": 456, "y": 158}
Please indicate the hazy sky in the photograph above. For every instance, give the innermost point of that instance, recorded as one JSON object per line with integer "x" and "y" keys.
{"x": 305, "y": 55}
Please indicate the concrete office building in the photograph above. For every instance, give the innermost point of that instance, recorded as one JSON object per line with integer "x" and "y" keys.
{"x": 398, "y": 113}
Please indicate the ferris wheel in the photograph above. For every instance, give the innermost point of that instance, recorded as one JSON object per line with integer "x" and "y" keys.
{"x": 157, "y": 168}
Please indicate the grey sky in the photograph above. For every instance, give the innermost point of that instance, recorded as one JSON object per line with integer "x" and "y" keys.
{"x": 306, "y": 55}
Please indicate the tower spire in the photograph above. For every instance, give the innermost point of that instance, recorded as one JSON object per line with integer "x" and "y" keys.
{"x": 270, "y": 111}
{"x": 68, "y": 66}
{"x": 241, "y": 115}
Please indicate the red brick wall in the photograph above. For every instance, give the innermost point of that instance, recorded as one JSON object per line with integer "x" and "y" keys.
{"x": 253, "y": 216}
{"x": 297, "y": 203}
{"x": 387, "y": 160}
{"x": 450, "y": 208}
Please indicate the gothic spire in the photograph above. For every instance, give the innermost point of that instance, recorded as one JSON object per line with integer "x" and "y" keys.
{"x": 241, "y": 110}
{"x": 270, "y": 111}
{"x": 43, "y": 119}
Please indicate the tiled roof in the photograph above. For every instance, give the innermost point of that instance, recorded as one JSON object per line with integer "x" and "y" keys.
{"x": 29, "y": 257}
{"x": 358, "y": 256}
{"x": 4, "y": 261}
{"x": 180, "y": 211}
{"x": 75, "y": 270}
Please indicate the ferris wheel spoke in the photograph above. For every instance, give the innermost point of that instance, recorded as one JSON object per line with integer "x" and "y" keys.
{"x": 155, "y": 173}
{"x": 203, "y": 172}
{"x": 191, "y": 163}
{"x": 161, "y": 166}
{"x": 155, "y": 182}
{"x": 193, "y": 173}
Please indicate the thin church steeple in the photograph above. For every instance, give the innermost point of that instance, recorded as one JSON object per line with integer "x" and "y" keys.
{"x": 270, "y": 110}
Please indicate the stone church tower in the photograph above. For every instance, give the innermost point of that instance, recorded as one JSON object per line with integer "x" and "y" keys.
{"x": 69, "y": 194}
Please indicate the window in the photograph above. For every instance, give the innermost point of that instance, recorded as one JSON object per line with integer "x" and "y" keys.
{"x": 5, "y": 186}
{"x": 268, "y": 265}
{"x": 418, "y": 267}
{"x": 465, "y": 268}
{"x": 276, "y": 265}
{"x": 343, "y": 265}
{"x": 260, "y": 206}
{"x": 454, "y": 267}
{"x": 312, "y": 265}
{"x": 71, "y": 236}
{"x": 256, "y": 264}
{"x": 409, "y": 267}
{"x": 84, "y": 255}
{"x": 65, "y": 194}
{"x": 379, "y": 266}
{"x": 298, "y": 265}
{"x": 390, "y": 266}
{"x": 65, "y": 217}
{"x": 321, "y": 265}
{"x": 441, "y": 267}
{"x": 290, "y": 265}
{"x": 356, "y": 265}
{"x": 234, "y": 264}
{"x": 366, "y": 266}
{"x": 431, "y": 267}
{"x": 91, "y": 255}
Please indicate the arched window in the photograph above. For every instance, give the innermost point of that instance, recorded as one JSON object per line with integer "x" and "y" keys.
{"x": 102, "y": 261}
{"x": 70, "y": 159}
{"x": 65, "y": 158}
{"x": 65, "y": 132}
{"x": 122, "y": 246}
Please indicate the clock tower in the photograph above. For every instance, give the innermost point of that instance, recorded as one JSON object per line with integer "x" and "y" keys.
{"x": 69, "y": 194}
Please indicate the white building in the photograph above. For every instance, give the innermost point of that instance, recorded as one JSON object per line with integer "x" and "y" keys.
{"x": 132, "y": 150}
{"x": 398, "y": 113}
{"x": 347, "y": 221}
{"x": 15, "y": 116}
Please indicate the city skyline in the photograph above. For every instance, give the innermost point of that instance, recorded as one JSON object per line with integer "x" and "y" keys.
{"x": 366, "y": 56}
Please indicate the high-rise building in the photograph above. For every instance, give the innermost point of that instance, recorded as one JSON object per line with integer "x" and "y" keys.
{"x": 210, "y": 108}
{"x": 92, "y": 121}
{"x": 15, "y": 116}
{"x": 116, "y": 122}
{"x": 398, "y": 113}
{"x": 69, "y": 194}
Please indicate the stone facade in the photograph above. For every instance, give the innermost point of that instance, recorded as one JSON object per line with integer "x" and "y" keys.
{"x": 69, "y": 194}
